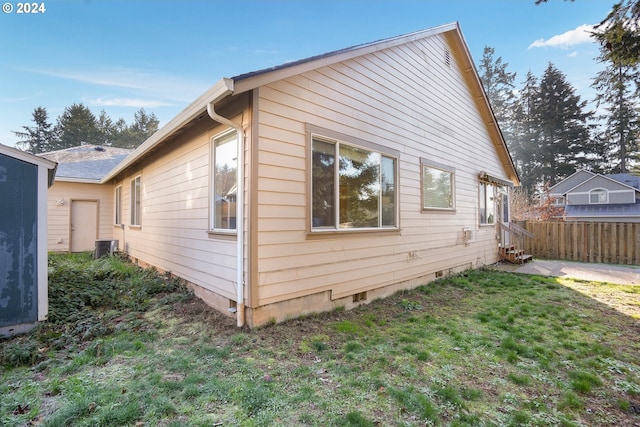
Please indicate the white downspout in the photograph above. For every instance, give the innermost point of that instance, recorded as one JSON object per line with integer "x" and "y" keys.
{"x": 239, "y": 211}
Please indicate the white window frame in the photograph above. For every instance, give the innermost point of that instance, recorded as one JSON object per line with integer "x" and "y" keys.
{"x": 486, "y": 198}
{"x": 598, "y": 192}
{"x": 136, "y": 201}
{"x": 213, "y": 198}
{"x": 342, "y": 140}
{"x": 428, "y": 164}
{"x": 117, "y": 205}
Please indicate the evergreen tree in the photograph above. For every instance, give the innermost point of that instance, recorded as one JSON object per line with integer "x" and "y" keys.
{"x": 107, "y": 130}
{"x": 143, "y": 126}
{"x": 76, "y": 125}
{"x": 526, "y": 133}
{"x": 564, "y": 129}
{"x": 37, "y": 139}
{"x": 620, "y": 33}
{"x": 499, "y": 86}
{"x": 618, "y": 86}
{"x": 552, "y": 134}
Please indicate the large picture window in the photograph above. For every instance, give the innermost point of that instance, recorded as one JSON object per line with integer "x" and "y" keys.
{"x": 352, "y": 187}
{"x": 438, "y": 183}
{"x": 224, "y": 149}
{"x": 135, "y": 201}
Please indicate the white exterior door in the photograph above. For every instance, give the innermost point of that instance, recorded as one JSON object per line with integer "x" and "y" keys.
{"x": 84, "y": 225}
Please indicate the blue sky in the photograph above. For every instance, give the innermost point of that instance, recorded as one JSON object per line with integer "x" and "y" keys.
{"x": 120, "y": 56}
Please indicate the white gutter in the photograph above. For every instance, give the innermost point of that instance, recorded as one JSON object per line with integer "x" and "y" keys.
{"x": 239, "y": 202}
{"x": 214, "y": 94}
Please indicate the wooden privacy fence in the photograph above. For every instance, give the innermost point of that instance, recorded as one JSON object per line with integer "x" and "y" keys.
{"x": 604, "y": 242}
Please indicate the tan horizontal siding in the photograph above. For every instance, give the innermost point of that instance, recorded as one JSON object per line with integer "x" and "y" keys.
{"x": 406, "y": 99}
{"x": 174, "y": 227}
{"x": 59, "y": 216}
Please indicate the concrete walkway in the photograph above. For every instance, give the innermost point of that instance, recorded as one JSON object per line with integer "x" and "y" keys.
{"x": 583, "y": 271}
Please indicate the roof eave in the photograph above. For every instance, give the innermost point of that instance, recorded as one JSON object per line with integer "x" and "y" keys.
{"x": 249, "y": 81}
{"x": 483, "y": 102}
{"x": 215, "y": 93}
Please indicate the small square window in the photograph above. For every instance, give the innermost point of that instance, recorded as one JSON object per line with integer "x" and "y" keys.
{"x": 599, "y": 195}
{"x": 438, "y": 184}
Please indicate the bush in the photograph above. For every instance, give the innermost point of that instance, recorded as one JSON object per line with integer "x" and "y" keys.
{"x": 85, "y": 297}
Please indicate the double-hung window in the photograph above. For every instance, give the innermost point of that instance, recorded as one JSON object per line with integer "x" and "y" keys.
{"x": 352, "y": 186}
{"x": 135, "y": 201}
{"x": 438, "y": 184}
{"x": 224, "y": 152}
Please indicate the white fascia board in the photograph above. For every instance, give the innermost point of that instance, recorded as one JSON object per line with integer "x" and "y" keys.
{"x": 264, "y": 77}
{"x": 78, "y": 180}
{"x": 215, "y": 93}
{"x": 27, "y": 157}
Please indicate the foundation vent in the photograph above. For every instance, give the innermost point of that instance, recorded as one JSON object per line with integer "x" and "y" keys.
{"x": 360, "y": 296}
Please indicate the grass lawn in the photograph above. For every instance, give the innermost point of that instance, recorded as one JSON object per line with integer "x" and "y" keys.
{"x": 127, "y": 347}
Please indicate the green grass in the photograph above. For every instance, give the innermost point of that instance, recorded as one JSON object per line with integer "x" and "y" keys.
{"x": 129, "y": 347}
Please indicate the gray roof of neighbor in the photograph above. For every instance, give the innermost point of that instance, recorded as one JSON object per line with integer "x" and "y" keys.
{"x": 86, "y": 162}
{"x": 602, "y": 211}
{"x": 627, "y": 178}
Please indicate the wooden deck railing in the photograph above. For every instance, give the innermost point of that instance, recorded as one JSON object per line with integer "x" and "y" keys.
{"x": 515, "y": 235}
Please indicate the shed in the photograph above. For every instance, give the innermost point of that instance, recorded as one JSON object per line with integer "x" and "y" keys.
{"x": 24, "y": 180}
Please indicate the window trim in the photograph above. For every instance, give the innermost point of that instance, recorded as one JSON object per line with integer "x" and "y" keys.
{"x": 494, "y": 187}
{"x": 229, "y": 232}
{"x": 117, "y": 205}
{"x": 135, "y": 206}
{"x": 443, "y": 168}
{"x": 599, "y": 190}
{"x": 316, "y": 132}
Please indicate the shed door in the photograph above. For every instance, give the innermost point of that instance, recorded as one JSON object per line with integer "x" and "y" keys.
{"x": 18, "y": 242}
{"x": 84, "y": 225}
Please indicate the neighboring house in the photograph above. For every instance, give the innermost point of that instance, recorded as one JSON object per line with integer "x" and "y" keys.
{"x": 80, "y": 208}
{"x": 322, "y": 183}
{"x": 24, "y": 180}
{"x": 587, "y": 196}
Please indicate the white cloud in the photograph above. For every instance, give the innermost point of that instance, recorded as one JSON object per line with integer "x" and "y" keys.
{"x": 115, "y": 78}
{"x": 126, "y": 102}
{"x": 580, "y": 35}
{"x": 137, "y": 82}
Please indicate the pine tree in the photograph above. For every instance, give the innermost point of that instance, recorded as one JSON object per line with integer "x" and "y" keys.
{"x": 618, "y": 86}
{"x": 526, "y": 133}
{"x": 499, "y": 86}
{"x": 106, "y": 129}
{"x": 620, "y": 33}
{"x": 564, "y": 128}
{"x": 76, "y": 126}
{"x": 37, "y": 139}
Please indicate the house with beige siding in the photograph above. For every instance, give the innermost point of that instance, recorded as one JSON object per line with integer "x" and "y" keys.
{"x": 80, "y": 208}
{"x": 322, "y": 183}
